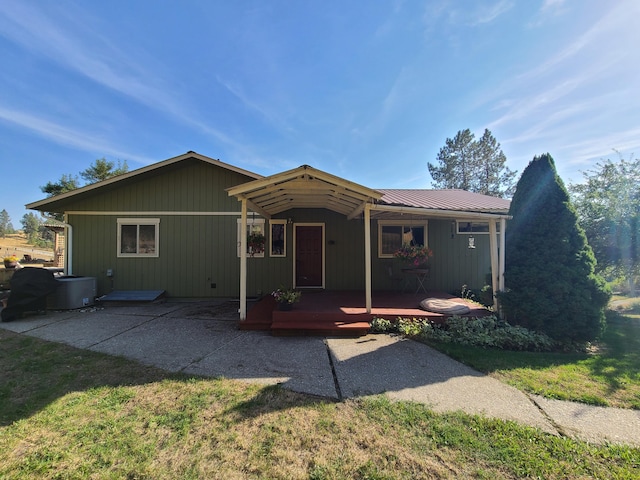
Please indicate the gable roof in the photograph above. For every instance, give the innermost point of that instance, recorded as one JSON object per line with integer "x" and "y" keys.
{"x": 49, "y": 204}
{"x": 307, "y": 187}
{"x": 304, "y": 187}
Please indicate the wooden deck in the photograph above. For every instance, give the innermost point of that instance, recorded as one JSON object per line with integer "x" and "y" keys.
{"x": 343, "y": 313}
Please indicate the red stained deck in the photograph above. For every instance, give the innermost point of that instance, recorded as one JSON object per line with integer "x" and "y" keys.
{"x": 343, "y": 313}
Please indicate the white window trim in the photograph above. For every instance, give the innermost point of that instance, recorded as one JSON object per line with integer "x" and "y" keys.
{"x": 402, "y": 223}
{"x": 458, "y": 222}
{"x": 284, "y": 247}
{"x": 251, "y": 222}
{"x": 138, "y": 221}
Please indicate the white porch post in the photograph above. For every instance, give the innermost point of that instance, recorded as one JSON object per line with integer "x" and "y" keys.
{"x": 243, "y": 260}
{"x": 367, "y": 255}
{"x": 493, "y": 245}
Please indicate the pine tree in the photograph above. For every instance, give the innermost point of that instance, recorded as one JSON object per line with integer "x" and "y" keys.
{"x": 494, "y": 177}
{"x": 549, "y": 267}
{"x": 457, "y": 162}
{"x": 477, "y": 166}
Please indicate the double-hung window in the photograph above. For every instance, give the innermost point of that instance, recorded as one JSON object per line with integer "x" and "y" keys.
{"x": 138, "y": 237}
{"x": 392, "y": 235}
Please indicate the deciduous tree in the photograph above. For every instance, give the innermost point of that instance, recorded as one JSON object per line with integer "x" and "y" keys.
{"x": 608, "y": 206}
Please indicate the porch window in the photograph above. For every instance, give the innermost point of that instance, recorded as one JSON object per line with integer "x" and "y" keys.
{"x": 255, "y": 233}
{"x": 138, "y": 237}
{"x": 278, "y": 238}
{"x": 393, "y": 235}
{"x": 475, "y": 227}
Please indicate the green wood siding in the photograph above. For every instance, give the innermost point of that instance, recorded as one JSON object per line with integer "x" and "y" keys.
{"x": 199, "y": 250}
{"x": 452, "y": 265}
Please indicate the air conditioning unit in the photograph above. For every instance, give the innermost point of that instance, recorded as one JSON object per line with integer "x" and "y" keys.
{"x": 72, "y": 292}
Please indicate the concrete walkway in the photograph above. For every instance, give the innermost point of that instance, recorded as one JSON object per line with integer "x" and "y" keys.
{"x": 202, "y": 338}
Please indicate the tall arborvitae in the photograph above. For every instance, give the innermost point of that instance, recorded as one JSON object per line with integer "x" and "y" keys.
{"x": 549, "y": 271}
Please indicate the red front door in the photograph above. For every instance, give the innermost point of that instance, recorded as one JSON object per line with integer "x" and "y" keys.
{"x": 309, "y": 256}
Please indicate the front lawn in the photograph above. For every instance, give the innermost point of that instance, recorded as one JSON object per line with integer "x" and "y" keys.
{"x": 608, "y": 375}
{"x": 69, "y": 413}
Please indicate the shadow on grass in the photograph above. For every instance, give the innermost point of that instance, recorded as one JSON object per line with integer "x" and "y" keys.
{"x": 615, "y": 363}
{"x": 37, "y": 372}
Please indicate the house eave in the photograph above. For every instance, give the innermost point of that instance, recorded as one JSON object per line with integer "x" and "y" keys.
{"x": 42, "y": 204}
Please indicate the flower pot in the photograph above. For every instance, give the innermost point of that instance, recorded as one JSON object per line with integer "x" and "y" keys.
{"x": 285, "y": 307}
{"x": 8, "y": 264}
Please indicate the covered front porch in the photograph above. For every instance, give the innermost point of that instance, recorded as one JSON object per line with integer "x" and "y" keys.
{"x": 384, "y": 218}
{"x": 344, "y": 313}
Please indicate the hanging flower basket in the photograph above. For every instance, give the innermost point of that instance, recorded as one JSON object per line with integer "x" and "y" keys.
{"x": 255, "y": 243}
{"x": 415, "y": 255}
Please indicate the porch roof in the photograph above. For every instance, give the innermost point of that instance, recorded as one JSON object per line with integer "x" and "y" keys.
{"x": 304, "y": 187}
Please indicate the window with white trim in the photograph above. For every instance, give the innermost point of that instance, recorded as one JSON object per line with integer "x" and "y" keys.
{"x": 138, "y": 237}
{"x": 256, "y": 239}
{"x": 392, "y": 235}
{"x": 278, "y": 238}
{"x": 475, "y": 227}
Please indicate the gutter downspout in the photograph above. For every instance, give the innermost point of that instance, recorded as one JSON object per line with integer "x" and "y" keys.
{"x": 68, "y": 248}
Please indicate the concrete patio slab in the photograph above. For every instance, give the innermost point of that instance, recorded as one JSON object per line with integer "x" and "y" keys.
{"x": 408, "y": 370}
{"x": 300, "y": 364}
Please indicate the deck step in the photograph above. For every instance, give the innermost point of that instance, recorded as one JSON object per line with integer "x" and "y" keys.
{"x": 337, "y": 329}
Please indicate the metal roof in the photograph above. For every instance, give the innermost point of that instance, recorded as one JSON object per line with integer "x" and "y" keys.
{"x": 449, "y": 200}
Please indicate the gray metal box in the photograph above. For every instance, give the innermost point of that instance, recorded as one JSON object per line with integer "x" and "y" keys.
{"x": 73, "y": 292}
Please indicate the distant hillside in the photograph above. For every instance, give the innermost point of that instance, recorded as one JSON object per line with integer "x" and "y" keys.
{"x": 16, "y": 243}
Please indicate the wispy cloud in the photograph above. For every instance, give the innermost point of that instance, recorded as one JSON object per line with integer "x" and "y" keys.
{"x": 488, "y": 14}
{"x": 268, "y": 114}
{"x": 100, "y": 61}
{"x": 66, "y": 136}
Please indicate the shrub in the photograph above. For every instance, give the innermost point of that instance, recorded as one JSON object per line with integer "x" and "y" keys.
{"x": 486, "y": 332}
{"x": 381, "y": 325}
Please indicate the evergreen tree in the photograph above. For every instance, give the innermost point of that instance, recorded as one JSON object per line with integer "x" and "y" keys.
{"x": 31, "y": 224}
{"x": 477, "y": 166}
{"x": 103, "y": 169}
{"x": 64, "y": 185}
{"x": 494, "y": 177}
{"x": 549, "y": 267}
{"x": 5, "y": 223}
{"x": 457, "y": 162}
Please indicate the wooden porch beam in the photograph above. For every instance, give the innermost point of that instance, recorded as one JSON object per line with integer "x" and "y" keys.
{"x": 493, "y": 246}
{"x": 367, "y": 256}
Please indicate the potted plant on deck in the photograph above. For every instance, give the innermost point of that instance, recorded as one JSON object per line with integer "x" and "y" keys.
{"x": 286, "y": 297}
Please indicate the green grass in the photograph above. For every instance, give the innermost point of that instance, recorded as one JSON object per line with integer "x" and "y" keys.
{"x": 609, "y": 375}
{"x": 68, "y": 413}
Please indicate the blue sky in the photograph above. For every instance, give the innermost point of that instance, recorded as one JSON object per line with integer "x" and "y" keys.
{"x": 367, "y": 90}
